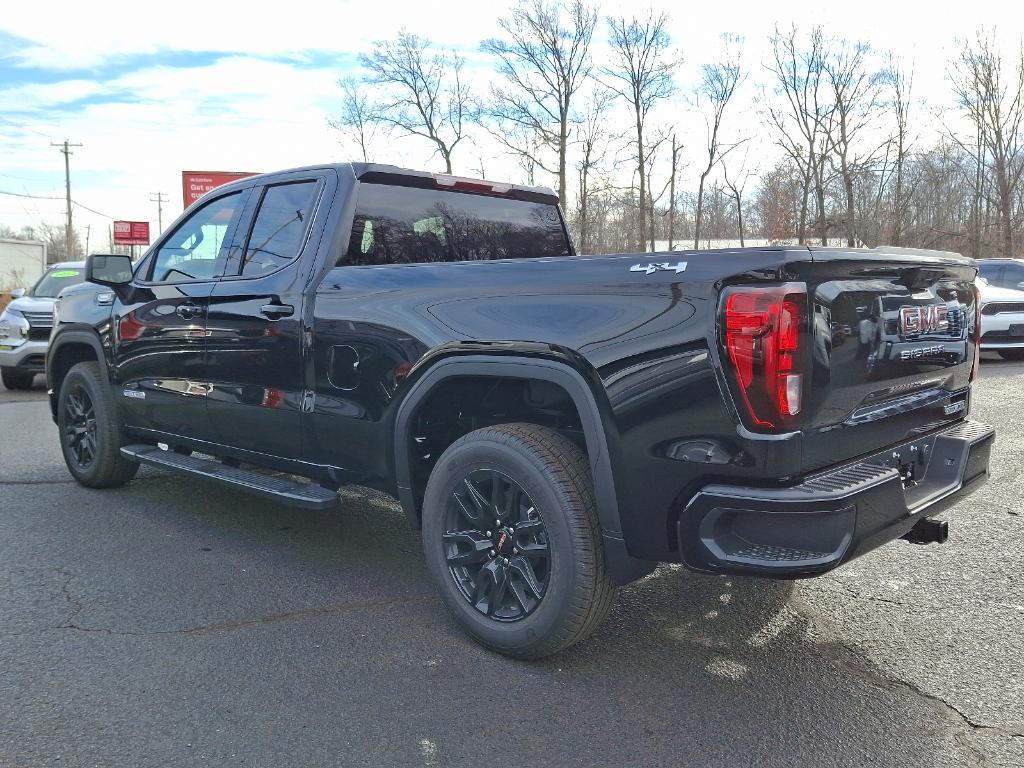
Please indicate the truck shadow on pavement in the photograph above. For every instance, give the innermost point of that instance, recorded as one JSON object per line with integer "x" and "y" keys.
{"x": 732, "y": 668}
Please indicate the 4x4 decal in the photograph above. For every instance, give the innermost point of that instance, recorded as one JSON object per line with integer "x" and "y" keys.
{"x": 659, "y": 266}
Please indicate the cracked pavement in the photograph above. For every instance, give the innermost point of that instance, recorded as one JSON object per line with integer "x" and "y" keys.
{"x": 175, "y": 623}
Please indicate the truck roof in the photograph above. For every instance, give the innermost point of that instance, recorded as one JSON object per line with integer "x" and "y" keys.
{"x": 393, "y": 174}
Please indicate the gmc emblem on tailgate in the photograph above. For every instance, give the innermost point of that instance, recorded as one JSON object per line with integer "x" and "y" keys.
{"x": 915, "y": 320}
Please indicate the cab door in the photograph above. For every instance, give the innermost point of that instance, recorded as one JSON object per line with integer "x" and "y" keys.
{"x": 159, "y": 339}
{"x": 255, "y": 327}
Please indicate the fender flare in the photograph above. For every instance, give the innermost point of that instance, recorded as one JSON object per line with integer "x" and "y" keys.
{"x": 62, "y": 339}
{"x": 622, "y": 567}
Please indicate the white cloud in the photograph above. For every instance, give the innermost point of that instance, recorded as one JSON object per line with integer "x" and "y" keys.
{"x": 264, "y": 104}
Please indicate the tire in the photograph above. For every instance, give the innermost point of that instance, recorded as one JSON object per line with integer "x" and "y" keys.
{"x": 1011, "y": 354}
{"x": 555, "y": 509}
{"x": 90, "y": 430}
{"x": 14, "y": 379}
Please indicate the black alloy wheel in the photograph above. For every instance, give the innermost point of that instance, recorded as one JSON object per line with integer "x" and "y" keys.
{"x": 512, "y": 539}
{"x": 90, "y": 429}
{"x": 80, "y": 427}
{"x": 496, "y": 546}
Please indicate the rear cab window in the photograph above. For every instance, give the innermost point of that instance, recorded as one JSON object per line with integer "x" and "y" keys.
{"x": 412, "y": 225}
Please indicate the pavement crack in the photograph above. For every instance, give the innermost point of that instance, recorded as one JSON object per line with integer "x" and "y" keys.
{"x": 873, "y": 598}
{"x": 36, "y": 482}
{"x": 274, "y": 618}
{"x": 855, "y": 662}
{"x": 71, "y": 481}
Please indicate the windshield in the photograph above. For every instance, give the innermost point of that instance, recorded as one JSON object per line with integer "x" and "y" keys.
{"x": 1003, "y": 274}
{"x": 56, "y": 280}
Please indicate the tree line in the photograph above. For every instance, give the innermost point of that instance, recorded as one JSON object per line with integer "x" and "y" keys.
{"x": 840, "y": 120}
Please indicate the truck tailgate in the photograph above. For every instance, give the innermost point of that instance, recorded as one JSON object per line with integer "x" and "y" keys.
{"x": 892, "y": 348}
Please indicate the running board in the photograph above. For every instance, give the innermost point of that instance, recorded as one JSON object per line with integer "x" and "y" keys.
{"x": 305, "y": 495}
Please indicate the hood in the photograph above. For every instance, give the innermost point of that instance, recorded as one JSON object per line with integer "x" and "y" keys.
{"x": 32, "y": 304}
{"x": 991, "y": 292}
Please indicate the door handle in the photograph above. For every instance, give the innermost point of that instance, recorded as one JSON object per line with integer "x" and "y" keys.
{"x": 188, "y": 311}
{"x": 275, "y": 311}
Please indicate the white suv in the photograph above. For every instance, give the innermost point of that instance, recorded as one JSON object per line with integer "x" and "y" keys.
{"x": 26, "y": 323}
{"x": 1002, "y": 318}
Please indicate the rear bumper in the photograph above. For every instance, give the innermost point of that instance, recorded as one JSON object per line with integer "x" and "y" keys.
{"x": 834, "y": 516}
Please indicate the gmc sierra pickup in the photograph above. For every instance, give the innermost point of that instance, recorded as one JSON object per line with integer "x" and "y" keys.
{"x": 554, "y": 424}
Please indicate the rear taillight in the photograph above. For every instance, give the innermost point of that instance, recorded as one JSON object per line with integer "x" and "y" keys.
{"x": 976, "y": 337}
{"x": 763, "y": 333}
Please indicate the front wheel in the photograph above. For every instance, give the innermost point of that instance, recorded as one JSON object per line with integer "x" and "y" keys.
{"x": 512, "y": 540}
{"x": 1011, "y": 354}
{"x": 90, "y": 432}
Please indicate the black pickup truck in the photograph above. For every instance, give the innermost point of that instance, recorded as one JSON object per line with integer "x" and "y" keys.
{"x": 556, "y": 424}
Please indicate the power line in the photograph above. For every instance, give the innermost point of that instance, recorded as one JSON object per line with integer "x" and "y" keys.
{"x": 34, "y": 197}
{"x": 53, "y": 197}
{"x": 91, "y": 210}
{"x": 23, "y": 127}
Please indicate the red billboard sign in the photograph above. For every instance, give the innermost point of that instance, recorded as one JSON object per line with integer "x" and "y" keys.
{"x": 195, "y": 184}
{"x": 131, "y": 233}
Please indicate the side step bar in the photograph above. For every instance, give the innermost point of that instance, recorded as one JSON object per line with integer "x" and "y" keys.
{"x": 305, "y": 495}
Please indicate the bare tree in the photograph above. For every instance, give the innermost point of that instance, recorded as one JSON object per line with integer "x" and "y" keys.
{"x": 798, "y": 120}
{"x": 359, "y": 119}
{"x": 993, "y": 100}
{"x": 425, "y": 95}
{"x": 642, "y": 75}
{"x": 677, "y": 148}
{"x": 544, "y": 60}
{"x": 901, "y": 84}
{"x": 736, "y": 187}
{"x": 855, "y": 91}
{"x": 717, "y": 86}
{"x": 593, "y": 139}
{"x": 653, "y": 145}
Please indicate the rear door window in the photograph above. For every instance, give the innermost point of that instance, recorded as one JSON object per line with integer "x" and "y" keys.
{"x": 409, "y": 225}
{"x": 280, "y": 227}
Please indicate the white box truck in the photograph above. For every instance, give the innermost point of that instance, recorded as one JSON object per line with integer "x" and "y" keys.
{"x": 22, "y": 262}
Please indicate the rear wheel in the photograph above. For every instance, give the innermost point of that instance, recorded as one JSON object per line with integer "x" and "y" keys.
{"x": 90, "y": 432}
{"x": 1011, "y": 354}
{"x": 512, "y": 540}
{"x": 15, "y": 379}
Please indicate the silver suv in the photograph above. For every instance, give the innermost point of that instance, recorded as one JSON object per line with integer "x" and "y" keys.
{"x": 26, "y": 323}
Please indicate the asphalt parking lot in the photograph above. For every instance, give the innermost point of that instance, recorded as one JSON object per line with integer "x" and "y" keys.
{"x": 174, "y": 623}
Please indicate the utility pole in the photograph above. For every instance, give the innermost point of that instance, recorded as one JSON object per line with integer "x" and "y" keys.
{"x": 88, "y": 231}
{"x": 160, "y": 198}
{"x": 68, "y": 234}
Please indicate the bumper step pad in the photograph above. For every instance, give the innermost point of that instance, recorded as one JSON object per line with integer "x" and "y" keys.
{"x": 808, "y": 528}
{"x": 305, "y": 495}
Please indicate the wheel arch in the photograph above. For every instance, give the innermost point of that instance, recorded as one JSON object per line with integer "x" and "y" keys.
{"x": 68, "y": 349}
{"x": 622, "y": 567}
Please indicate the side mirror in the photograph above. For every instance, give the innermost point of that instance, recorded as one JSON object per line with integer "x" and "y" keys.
{"x": 108, "y": 269}
{"x": 17, "y": 293}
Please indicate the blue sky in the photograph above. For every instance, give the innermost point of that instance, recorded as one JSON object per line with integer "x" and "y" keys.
{"x": 231, "y": 85}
